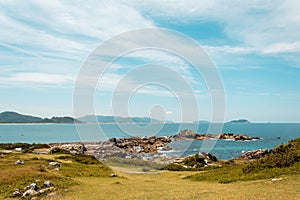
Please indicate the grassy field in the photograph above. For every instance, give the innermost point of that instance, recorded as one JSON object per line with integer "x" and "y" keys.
{"x": 172, "y": 185}
{"x": 83, "y": 177}
{"x": 80, "y": 178}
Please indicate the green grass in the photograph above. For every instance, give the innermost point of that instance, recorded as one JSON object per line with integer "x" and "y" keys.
{"x": 231, "y": 174}
{"x": 36, "y": 168}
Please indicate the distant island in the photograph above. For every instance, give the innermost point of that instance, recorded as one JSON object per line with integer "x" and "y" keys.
{"x": 201, "y": 122}
{"x": 116, "y": 119}
{"x": 239, "y": 121}
{"x": 14, "y": 117}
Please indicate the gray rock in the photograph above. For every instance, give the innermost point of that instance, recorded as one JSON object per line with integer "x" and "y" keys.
{"x": 254, "y": 154}
{"x": 48, "y": 183}
{"x": 19, "y": 162}
{"x": 55, "y": 164}
{"x": 5, "y": 151}
{"x": 32, "y": 186}
{"x": 53, "y": 195}
{"x": 16, "y": 194}
{"x": 29, "y": 192}
{"x": 277, "y": 179}
{"x": 44, "y": 190}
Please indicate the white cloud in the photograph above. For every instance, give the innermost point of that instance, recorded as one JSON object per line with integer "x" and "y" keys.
{"x": 35, "y": 79}
{"x": 255, "y": 24}
{"x": 226, "y": 49}
{"x": 63, "y": 26}
{"x": 282, "y": 48}
{"x": 56, "y": 36}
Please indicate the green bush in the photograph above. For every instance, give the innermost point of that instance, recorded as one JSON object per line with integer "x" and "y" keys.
{"x": 85, "y": 159}
{"x": 194, "y": 160}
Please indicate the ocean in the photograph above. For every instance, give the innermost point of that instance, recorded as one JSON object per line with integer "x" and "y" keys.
{"x": 271, "y": 134}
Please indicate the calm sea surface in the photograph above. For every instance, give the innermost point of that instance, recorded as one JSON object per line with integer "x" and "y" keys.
{"x": 271, "y": 134}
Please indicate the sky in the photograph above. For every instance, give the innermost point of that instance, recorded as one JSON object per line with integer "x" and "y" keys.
{"x": 255, "y": 46}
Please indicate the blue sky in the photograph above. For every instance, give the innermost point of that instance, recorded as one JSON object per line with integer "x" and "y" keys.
{"x": 254, "y": 44}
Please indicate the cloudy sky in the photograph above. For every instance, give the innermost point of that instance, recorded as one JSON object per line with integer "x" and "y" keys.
{"x": 255, "y": 45}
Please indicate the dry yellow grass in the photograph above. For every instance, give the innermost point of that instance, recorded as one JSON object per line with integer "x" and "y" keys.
{"x": 171, "y": 185}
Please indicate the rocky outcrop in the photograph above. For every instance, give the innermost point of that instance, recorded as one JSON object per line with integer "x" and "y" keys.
{"x": 233, "y": 136}
{"x": 100, "y": 150}
{"x": 115, "y": 147}
{"x": 104, "y": 150}
{"x": 254, "y": 154}
{"x": 73, "y": 148}
{"x": 192, "y": 162}
{"x": 190, "y": 135}
{"x": 142, "y": 144}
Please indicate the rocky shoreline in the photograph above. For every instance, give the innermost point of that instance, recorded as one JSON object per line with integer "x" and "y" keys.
{"x": 138, "y": 146}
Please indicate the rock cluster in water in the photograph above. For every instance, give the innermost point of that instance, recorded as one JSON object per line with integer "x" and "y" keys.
{"x": 130, "y": 147}
{"x": 191, "y": 135}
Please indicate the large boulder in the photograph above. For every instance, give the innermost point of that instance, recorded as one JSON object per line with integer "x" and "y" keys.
{"x": 73, "y": 148}
{"x": 254, "y": 154}
{"x": 185, "y": 135}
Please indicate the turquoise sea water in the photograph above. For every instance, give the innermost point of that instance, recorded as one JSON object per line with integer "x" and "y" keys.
{"x": 271, "y": 134}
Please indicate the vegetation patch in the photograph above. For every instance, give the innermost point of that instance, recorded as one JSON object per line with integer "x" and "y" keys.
{"x": 135, "y": 162}
{"x": 282, "y": 156}
{"x": 283, "y": 160}
{"x": 24, "y": 147}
